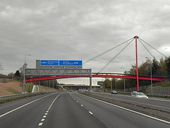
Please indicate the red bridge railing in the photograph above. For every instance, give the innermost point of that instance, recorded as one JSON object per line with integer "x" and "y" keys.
{"x": 95, "y": 76}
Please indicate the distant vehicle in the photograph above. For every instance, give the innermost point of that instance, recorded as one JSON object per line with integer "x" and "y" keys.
{"x": 139, "y": 94}
{"x": 113, "y": 92}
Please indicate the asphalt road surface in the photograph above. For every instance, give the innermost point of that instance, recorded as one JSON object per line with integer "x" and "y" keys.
{"x": 160, "y": 103}
{"x": 71, "y": 110}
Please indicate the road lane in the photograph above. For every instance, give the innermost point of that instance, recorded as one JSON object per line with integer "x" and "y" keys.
{"x": 72, "y": 110}
{"x": 5, "y": 107}
{"x": 155, "y": 102}
{"x": 115, "y": 117}
{"x": 67, "y": 113}
{"x": 28, "y": 116}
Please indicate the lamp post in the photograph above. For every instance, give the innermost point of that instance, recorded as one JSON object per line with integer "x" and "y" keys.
{"x": 150, "y": 60}
{"x": 111, "y": 85}
{"x": 124, "y": 82}
{"x": 115, "y": 83}
{"x": 24, "y": 67}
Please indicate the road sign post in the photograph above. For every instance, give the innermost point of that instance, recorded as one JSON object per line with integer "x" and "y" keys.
{"x": 61, "y": 68}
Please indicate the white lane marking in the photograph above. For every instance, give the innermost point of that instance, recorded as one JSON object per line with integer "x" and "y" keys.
{"x": 40, "y": 124}
{"x": 45, "y": 115}
{"x": 90, "y": 112}
{"x": 53, "y": 102}
{"x": 81, "y": 105}
{"x": 139, "y": 113}
{"x": 23, "y": 106}
{"x": 42, "y": 120}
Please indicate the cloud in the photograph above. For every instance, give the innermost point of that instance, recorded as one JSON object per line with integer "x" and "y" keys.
{"x": 80, "y": 29}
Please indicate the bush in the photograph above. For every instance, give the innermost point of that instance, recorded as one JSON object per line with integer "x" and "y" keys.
{"x": 28, "y": 87}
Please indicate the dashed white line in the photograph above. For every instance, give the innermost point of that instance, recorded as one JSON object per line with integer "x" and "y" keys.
{"x": 90, "y": 112}
{"x": 81, "y": 105}
{"x": 42, "y": 120}
{"x": 40, "y": 124}
{"x": 53, "y": 102}
{"x": 46, "y": 113}
{"x": 23, "y": 106}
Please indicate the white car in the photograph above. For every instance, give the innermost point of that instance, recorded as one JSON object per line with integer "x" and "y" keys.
{"x": 139, "y": 94}
{"x": 114, "y": 92}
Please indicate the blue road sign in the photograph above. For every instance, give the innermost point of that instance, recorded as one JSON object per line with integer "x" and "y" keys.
{"x": 70, "y": 63}
{"x": 65, "y": 63}
{"x": 49, "y": 63}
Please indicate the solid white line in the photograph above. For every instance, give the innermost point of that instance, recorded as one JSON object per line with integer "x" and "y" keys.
{"x": 139, "y": 113}
{"x": 90, "y": 112}
{"x": 53, "y": 102}
{"x": 23, "y": 106}
{"x": 40, "y": 124}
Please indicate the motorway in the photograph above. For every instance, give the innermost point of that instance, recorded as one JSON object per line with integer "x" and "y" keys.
{"x": 160, "y": 103}
{"x": 71, "y": 110}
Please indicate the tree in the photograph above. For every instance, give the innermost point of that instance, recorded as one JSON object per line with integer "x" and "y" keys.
{"x": 163, "y": 67}
{"x": 17, "y": 75}
{"x": 107, "y": 83}
{"x": 11, "y": 75}
{"x": 167, "y": 61}
{"x": 155, "y": 67}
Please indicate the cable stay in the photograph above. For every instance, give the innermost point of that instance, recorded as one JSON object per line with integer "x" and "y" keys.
{"x": 115, "y": 56}
{"x": 153, "y": 47}
{"x": 146, "y": 49}
{"x": 103, "y": 53}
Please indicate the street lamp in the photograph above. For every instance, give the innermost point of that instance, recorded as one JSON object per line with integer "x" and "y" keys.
{"x": 24, "y": 67}
{"x": 25, "y": 58}
{"x": 150, "y": 60}
{"x": 111, "y": 85}
{"x": 124, "y": 82}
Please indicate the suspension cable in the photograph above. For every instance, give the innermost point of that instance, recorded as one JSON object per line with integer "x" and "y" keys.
{"x": 101, "y": 54}
{"x": 153, "y": 48}
{"x": 146, "y": 48}
{"x": 115, "y": 56}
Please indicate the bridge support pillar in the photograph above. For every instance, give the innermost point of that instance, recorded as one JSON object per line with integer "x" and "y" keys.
{"x": 137, "y": 72}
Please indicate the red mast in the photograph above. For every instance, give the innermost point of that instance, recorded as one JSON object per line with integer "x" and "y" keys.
{"x": 137, "y": 72}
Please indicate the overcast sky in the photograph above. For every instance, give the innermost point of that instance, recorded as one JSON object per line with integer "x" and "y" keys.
{"x": 80, "y": 29}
